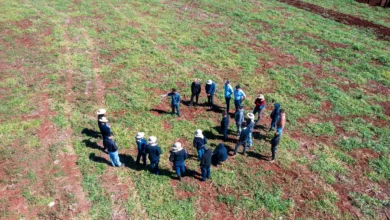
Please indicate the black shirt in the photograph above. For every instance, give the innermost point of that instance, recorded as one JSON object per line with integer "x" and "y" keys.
{"x": 154, "y": 152}
{"x": 196, "y": 88}
{"x": 206, "y": 158}
{"x": 110, "y": 145}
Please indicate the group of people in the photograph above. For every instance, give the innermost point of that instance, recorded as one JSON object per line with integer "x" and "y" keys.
{"x": 206, "y": 156}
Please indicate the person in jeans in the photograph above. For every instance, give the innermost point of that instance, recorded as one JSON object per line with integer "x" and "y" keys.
{"x": 239, "y": 96}
{"x": 210, "y": 91}
{"x": 281, "y": 122}
{"x": 175, "y": 102}
{"x": 199, "y": 142}
{"x": 225, "y": 125}
{"x": 239, "y": 118}
{"x": 112, "y": 149}
{"x": 154, "y": 152}
{"x": 274, "y": 116}
{"x": 260, "y": 105}
{"x": 177, "y": 157}
{"x": 205, "y": 163}
{"x": 195, "y": 91}
{"x": 228, "y": 92}
{"x": 141, "y": 146}
{"x": 274, "y": 146}
{"x": 250, "y": 125}
{"x": 220, "y": 154}
{"x": 243, "y": 140}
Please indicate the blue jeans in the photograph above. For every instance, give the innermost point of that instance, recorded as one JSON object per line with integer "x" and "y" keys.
{"x": 273, "y": 150}
{"x": 139, "y": 155}
{"x": 205, "y": 172}
{"x": 114, "y": 158}
{"x": 155, "y": 168}
{"x": 200, "y": 153}
{"x": 237, "y": 103}
{"x": 273, "y": 124}
{"x": 180, "y": 168}
{"x": 238, "y": 129}
{"x": 259, "y": 110}
{"x": 280, "y": 131}
{"x": 227, "y": 104}
{"x": 177, "y": 107}
{"x": 250, "y": 140}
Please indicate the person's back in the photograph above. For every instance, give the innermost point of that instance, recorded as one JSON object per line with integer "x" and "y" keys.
{"x": 154, "y": 152}
{"x": 141, "y": 145}
{"x": 244, "y": 135}
{"x": 199, "y": 142}
{"x": 195, "y": 88}
{"x": 221, "y": 153}
{"x": 110, "y": 145}
{"x": 178, "y": 157}
{"x": 225, "y": 122}
{"x": 251, "y": 125}
{"x": 206, "y": 159}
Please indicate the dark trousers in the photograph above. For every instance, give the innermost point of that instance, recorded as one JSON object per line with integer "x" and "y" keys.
{"x": 180, "y": 169}
{"x": 205, "y": 172}
{"x": 273, "y": 150}
{"x": 243, "y": 143}
{"x": 227, "y": 104}
{"x": 225, "y": 133}
{"x": 139, "y": 155}
{"x": 177, "y": 107}
{"x": 273, "y": 124}
{"x": 210, "y": 100}
{"x": 237, "y": 103}
{"x": 196, "y": 96}
{"x": 155, "y": 168}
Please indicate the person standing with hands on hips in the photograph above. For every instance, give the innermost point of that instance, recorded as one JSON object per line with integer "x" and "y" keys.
{"x": 210, "y": 91}
{"x": 239, "y": 96}
{"x": 228, "y": 92}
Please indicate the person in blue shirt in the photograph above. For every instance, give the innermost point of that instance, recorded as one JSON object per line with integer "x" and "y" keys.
{"x": 239, "y": 96}
{"x": 274, "y": 116}
{"x": 175, "y": 103}
{"x": 154, "y": 152}
{"x": 243, "y": 140}
{"x": 210, "y": 91}
{"x": 141, "y": 146}
{"x": 228, "y": 92}
{"x": 239, "y": 118}
{"x": 177, "y": 157}
{"x": 220, "y": 154}
{"x": 250, "y": 125}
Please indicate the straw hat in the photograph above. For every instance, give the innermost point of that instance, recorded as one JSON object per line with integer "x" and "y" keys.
{"x": 177, "y": 147}
{"x": 198, "y": 133}
{"x": 103, "y": 119}
{"x": 260, "y": 96}
{"x": 251, "y": 115}
{"x": 209, "y": 82}
{"x": 101, "y": 111}
{"x": 152, "y": 140}
{"x": 140, "y": 135}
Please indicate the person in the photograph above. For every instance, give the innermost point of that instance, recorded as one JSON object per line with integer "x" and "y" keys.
{"x": 260, "y": 105}
{"x": 177, "y": 157}
{"x": 274, "y": 146}
{"x": 228, "y": 94}
{"x": 243, "y": 140}
{"x": 250, "y": 126}
{"x": 154, "y": 152}
{"x": 239, "y": 96}
{"x": 112, "y": 149}
{"x": 100, "y": 114}
{"x": 175, "y": 102}
{"x": 141, "y": 146}
{"x": 225, "y": 125}
{"x": 199, "y": 142}
{"x": 239, "y": 118}
{"x": 195, "y": 91}
{"x": 220, "y": 154}
{"x": 210, "y": 91}
{"x": 281, "y": 122}
{"x": 104, "y": 127}
{"x": 274, "y": 116}
{"x": 205, "y": 163}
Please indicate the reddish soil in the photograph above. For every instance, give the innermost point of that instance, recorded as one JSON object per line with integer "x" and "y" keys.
{"x": 23, "y": 24}
{"x": 25, "y": 41}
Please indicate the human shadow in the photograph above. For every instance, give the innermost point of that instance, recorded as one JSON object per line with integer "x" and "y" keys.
{"x": 219, "y": 136}
{"x": 262, "y": 127}
{"x": 159, "y": 111}
{"x": 98, "y": 159}
{"x": 258, "y": 156}
{"x": 216, "y": 109}
{"x": 93, "y": 145}
{"x": 91, "y": 133}
{"x": 259, "y": 136}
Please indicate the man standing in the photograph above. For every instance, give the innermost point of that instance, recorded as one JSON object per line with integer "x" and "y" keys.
{"x": 100, "y": 114}
{"x": 177, "y": 157}
{"x": 220, "y": 154}
{"x": 251, "y": 125}
{"x": 225, "y": 125}
{"x": 175, "y": 103}
{"x": 274, "y": 116}
{"x": 239, "y": 118}
{"x": 243, "y": 140}
{"x": 228, "y": 94}
{"x": 239, "y": 96}
{"x": 104, "y": 127}
{"x": 205, "y": 163}
{"x": 154, "y": 152}
{"x": 281, "y": 122}
{"x": 195, "y": 91}
{"x": 112, "y": 149}
{"x": 141, "y": 146}
{"x": 199, "y": 142}
{"x": 274, "y": 145}
{"x": 210, "y": 91}
{"x": 260, "y": 104}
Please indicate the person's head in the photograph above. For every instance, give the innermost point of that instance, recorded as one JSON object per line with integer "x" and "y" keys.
{"x": 243, "y": 124}
{"x": 152, "y": 141}
{"x": 251, "y": 116}
{"x": 277, "y": 106}
{"x": 176, "y": 147}
{"x": 282, "y": 111}
{"x": 209, "y": 82}
{"x": 227, "y": 82}
{"x": 173, "y": 90}
{"x": 140, "y": 135}
{"x": 196, "y": 80}
{"x": 260, "y": 97}
{"x": 238, "y": 86}
{"x": 111, "y": 136}
{"x": 277, "y": 134}
{"x": 198, "y": 133}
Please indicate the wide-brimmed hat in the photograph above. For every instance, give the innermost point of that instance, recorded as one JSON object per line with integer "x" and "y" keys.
{"x": 250, "y": 115}
{"x": 176, "y": 147}
{"x": 260, "y": 96}
{"x": 209, "y": 82}
{"x": 140, "y": 135}
{"x": 198, "y": 133}
{"x": 152, "y": 140}
{"x": 101, "y": 111}
{"x": 103, "y": 119}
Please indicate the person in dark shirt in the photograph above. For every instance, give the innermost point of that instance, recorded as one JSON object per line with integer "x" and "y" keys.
{"x": 225, "y": 125}
{"x": 210, "y": 91}
{"x": 239, "y": 118}
{"x": 177, "y": 157}
{"x": 141, "y": 146}
{"x": 196, "y": 88}
{"x": 112, "y": 149}
{"x": 154, "y": 152}
{"x": 175, "y": 102}
{"x": 100, "y": 114}
{"x": 243, "y": 140}
{"x": 274, "y": 146}
{"x": 104, "y": 127}
{"x": 274, "y": 116}
{"x": 205, "y": 163}
{"x": 199, "y": 142}
{"x": 220, "y": 154}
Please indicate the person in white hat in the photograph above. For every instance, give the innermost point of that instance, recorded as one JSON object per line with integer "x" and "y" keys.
{"x": 177, "y": 157}
{"x": 239, "y": 96}
{"x": 199, "y": 142}
{"x": 104, "y": 127}
{"x": 260, "y": 105}
{"x": 210, "y": 91}
{"x": 141, "y": 146}
{"x": 112, "y": 151}
{"x": 250, "y": 125}
{"x": 154, "y": 152}
{"x": 100, "y": 114}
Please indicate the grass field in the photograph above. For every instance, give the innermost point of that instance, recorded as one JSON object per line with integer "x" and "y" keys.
{"x": 60, "y": 61}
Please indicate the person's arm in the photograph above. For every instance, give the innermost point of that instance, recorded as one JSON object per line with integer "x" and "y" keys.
{"x": 165, "y": 95}
{"x": 213, "y": 88}
{"x": 205, "y": 140}
{"x": 171, "y": 157}
{"x": 159, "y": 151}
{"x": 193, "y": 88}
{"x": 114, "y": 146}
{"x": 185, "y": 155}
{"x": 244, "y": 96}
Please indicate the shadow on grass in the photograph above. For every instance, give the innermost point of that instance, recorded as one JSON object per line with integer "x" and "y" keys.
{"x": 159, "y": 111}
{"x": 98, "y": 159}
{"x": 91, "y": 133}
{"x": 258, "y": 156}
{"x": 257, "y": 135}
{"x": 93, "y": 145}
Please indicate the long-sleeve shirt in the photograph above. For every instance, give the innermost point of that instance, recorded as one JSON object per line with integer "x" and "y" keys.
{"x": 281, "y": 121}
{"x": 239, "y": 116}
{"x": 275, "y": 141}
{"x": 175, "y": 97}
{"x": 206, "y": 158}
{"x": 276, "y": 112}
{"x": 178, "y": 157}
{"x": 196, "y": 88}
{"x": 154, "y": 152}
{"x": 199, "y": 142}
{"x": 141, "y": 145}
{"x": 244, "y": 135}
{"x": 110, "y": 145}
{"x": 250, "y": 125}
{"x": 220, "y": 152}
{"x": 260, "y": 103}
{"x": 210, "y": 89}
{"x": 225, "y": 122}
{"x": 105, "y": 130}
{"x": 239, "y": 94}
{"x": 228, "y": 91}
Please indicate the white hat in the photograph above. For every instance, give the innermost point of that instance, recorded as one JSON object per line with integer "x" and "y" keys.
{"x": 140, "y": 135}
{"x": 103, "y": 119}
{"x": 198, "y": 133}
{"x": 209, "y": 82}
{"x": 251, "y": 115}
{"x": 152, "y": 140}
{"x": 177, "y": 147}
{"x": 260, "y": 96}
{"x": 101, "y": 111}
